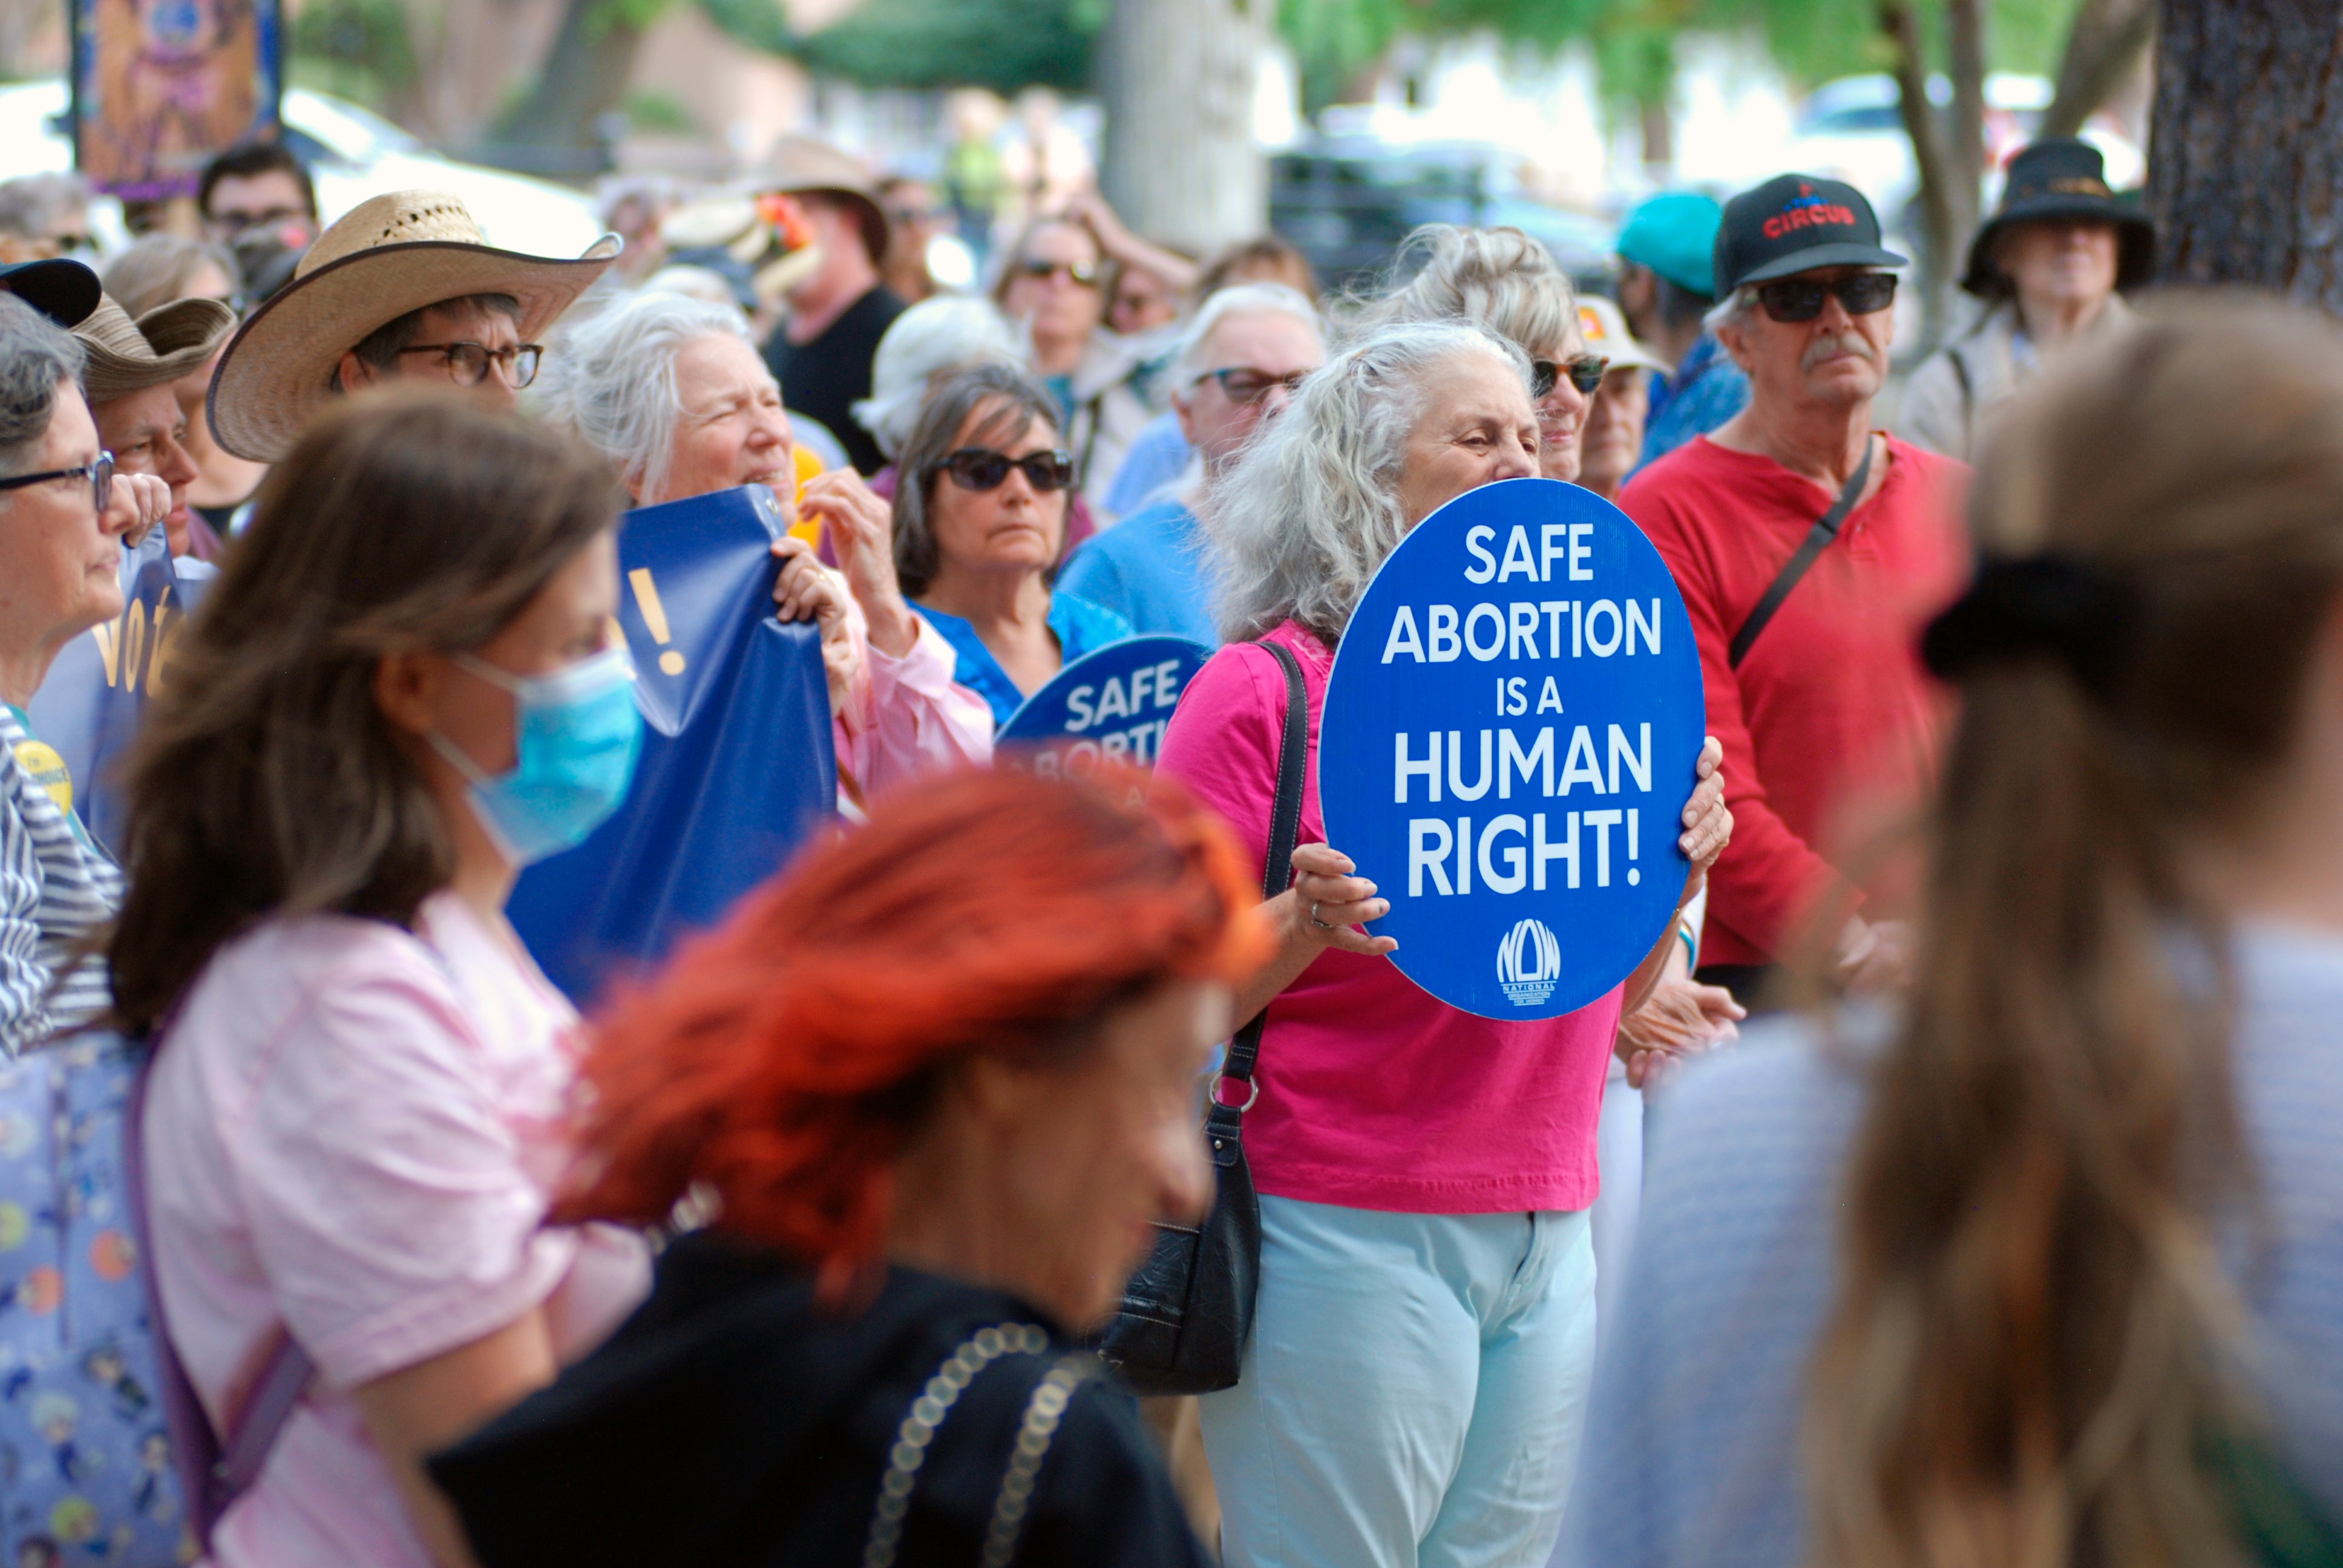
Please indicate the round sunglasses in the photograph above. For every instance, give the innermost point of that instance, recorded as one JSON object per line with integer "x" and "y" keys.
{"x": 1585, "y": 373}
{"x": 1797, "y": 299}
{"x": 982, "y": 469}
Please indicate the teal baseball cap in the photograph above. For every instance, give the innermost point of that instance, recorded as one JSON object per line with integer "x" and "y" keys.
{"x": 1675, "y": 235}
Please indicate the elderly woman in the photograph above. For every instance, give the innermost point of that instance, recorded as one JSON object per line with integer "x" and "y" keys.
{"x": 63, "y": 518}
{"x": 980, "y": 524}
{"x": 672, "y": 391}
{"x": 925, "y": 344}
{"x": 936, "y": 1081}
{"x": 1424, "y": 1331}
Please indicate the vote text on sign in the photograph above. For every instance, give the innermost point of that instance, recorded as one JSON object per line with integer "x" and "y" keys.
{"x": 1511, "y": 730}
{"x": 1113, "y": 706}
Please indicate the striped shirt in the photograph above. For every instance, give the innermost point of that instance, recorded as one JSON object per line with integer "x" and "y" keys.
{"x": 1691, "y": 1449}
{"x": 57, "y": 886}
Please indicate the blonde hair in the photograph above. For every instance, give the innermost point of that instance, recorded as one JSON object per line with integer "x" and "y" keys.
{"x": 1499, "y": 278}
{"x": 2034, "y": 1340}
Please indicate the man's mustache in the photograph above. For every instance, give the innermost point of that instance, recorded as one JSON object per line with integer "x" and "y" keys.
{"x": 1822, "y": 348}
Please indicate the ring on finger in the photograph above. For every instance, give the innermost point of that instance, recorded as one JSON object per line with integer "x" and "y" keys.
{"x": 1322, "y": 925}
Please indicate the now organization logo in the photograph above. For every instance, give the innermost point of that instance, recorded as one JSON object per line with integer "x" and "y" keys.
{"x": 1529, "y": 961}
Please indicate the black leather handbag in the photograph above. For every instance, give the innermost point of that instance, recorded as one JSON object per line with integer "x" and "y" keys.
{"x": 1187, "y": 1314}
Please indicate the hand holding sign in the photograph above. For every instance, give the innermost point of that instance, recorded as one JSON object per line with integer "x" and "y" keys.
{"x": 1513, "y": 723}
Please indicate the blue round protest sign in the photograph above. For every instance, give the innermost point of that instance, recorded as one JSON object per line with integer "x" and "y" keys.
{"x": 1512, "y": 728}
{"x": 1113, "y": 706}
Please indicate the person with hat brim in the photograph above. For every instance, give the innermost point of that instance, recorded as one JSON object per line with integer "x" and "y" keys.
{"x": 837, "y": 305}
{"x": 1809, "y": 548}
{"x": 132, "y": 368}
{"x": 1667, "y": 287}
{"x": 64, "y": 290}
{"x": 2050, "y": 264}
{"x": 1611, "y": 443}
{"x": 404, "y": 285}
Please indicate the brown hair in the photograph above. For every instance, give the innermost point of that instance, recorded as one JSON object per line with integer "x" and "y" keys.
{"x": 1010, "y": 400}
{"x": 2033, "y": 1341}
{"x": 1271, "y": 258}
{"x": 266, "y": 781}
{"x": 156, "y": 269}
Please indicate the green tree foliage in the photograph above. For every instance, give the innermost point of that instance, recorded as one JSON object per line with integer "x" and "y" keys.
{"x": 360, "y": 49}
{"x": 1004, "y": 44}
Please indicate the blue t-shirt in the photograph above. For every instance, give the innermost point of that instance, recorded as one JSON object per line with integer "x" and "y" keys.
{"x": 1082, "y": 628}
{"x": 1708, "y": 389}
{"x": 1158, "y": 454}
{"x": 1150, "y": 569}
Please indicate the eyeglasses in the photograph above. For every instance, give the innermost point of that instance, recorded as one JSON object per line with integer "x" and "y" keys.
{"x": 468, "y": 363}
{"x": 1243, "y": 383}
{"x": 982, "y": 469}
{"x": 1585, "y": 373}
{"x": 236, "y": 221}
{"x": 99, "y": 474}
{"x": 1801, "y": 298}
{"x": 1084, "y": 274}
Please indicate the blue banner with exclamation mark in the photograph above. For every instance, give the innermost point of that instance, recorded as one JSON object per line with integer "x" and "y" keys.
{"x": 738, "y": 765}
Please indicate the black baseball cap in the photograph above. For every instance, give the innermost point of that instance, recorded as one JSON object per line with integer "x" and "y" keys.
{"x": 63, "y": 291}
{"x": 1793, "y": 224}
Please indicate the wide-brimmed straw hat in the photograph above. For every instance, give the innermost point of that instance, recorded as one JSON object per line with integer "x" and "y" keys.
{"x": 801, "y": 166}
{"x": 387, "y": 256}
{"x": 125, "y": 355}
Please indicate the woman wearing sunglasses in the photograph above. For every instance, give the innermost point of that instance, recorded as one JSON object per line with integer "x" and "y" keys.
{"x": 980, "y": 525}
{"x": 1510, "y": 284}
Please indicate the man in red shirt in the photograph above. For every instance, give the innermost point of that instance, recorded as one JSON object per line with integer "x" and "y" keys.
{"x": 1810, "y": 549}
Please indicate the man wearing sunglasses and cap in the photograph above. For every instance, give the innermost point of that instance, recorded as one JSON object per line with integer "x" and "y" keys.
{"x": 1810, "y": 548}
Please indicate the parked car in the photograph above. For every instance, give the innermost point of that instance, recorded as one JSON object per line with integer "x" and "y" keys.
{"x": 352, "y": 153}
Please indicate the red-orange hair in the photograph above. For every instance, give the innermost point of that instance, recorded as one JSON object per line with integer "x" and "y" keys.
{"x": 781, "y": 1062}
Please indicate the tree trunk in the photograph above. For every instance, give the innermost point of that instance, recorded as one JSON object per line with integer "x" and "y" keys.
{"x": 2246, "y": 172}
{"x": 1177, "y": 78}
{"x": 1947, "y": 150}
{"x": 2102, "y": 45}
{"x": 584, "y": 77}
{"x": 1658, "y": 122}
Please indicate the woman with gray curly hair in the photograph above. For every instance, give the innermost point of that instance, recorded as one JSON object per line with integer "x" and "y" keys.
{"x": 1423, "y": 1334}
{"x": 672, "y": 391}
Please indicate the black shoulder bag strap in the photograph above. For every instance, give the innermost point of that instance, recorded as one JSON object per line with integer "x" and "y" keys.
{"x": 1223, "y": 1126}
{"x": 1817, "y": 540}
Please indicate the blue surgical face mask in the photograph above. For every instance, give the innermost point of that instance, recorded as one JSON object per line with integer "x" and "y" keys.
{"x": 576, "y": 734}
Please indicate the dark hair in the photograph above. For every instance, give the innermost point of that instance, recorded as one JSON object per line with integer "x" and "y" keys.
{"x": 380, "y": 347}
{"x": 2034, "y": 1341}
{"x": 1679, "y": 306}
{"x": 1250, "y": 257}
{"x": 265, "y": 780}
{"x": 1011, "y": 401}
{"x": 250, "y": 160}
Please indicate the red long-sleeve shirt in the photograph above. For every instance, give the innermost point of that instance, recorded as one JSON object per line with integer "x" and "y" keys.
{"x": 1832, "y": 705}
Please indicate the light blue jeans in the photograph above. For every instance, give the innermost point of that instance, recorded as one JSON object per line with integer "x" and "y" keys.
{"x": 1414, "y": 1393}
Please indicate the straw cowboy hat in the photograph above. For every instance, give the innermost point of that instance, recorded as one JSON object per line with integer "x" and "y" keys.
{"x": 801, "y": 166}
{"x": 387, "y": 256}
{"x": 160, "y": 347}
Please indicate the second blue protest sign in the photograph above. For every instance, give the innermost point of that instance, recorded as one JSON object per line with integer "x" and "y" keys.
{"x": 1511, "y": 728}
{"x": 1113, "y": 706}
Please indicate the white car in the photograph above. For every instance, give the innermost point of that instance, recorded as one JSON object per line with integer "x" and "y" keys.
{"x": 1852, "y": 129}
{"x": 352, "y": 153}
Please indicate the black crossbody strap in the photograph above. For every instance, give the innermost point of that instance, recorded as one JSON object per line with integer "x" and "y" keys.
{"x": 1277, "y": 870}
{"x": 1817, "y": 540}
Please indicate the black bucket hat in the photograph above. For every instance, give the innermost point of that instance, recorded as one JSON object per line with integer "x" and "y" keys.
{"x": 2062, "y": 177}
{"x": 1794, "y": 223}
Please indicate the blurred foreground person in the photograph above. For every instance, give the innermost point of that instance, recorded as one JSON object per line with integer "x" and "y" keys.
{"x": 1809, "y": 548}
{"x": 979, "y": 527}
{"x": 671, "y": 390}
{"x": 63, "y": 518}
{"x": 1424, "y": 1329}
{"x": 933, "y": 1084}
{"x": 2047, "y": 1267}
{"x": 2047, "y": 263}
{"x": 405, "y": 687}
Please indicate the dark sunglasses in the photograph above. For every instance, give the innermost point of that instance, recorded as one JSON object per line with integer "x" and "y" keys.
{"x": 1243, "y": 383}
{"x": 1585, "y": 373}
{"x": 982, "y": 469}
{"x": 1801, "y": 299}
{"x": 1085, "y": 274}
{"x": 99, "y": 474}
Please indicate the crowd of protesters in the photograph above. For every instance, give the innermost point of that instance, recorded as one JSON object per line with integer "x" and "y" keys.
{"x": 2006, "y": 1232}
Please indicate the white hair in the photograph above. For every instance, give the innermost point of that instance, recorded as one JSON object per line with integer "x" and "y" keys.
{"x": 1188, "y": 366}
{"x": 949, "y": 332}
{"x": 1500, "y": 278}
{"x": 1733, "y": 310}
{"x": 614, "y": 378}
{"x": 1311, "y": 507}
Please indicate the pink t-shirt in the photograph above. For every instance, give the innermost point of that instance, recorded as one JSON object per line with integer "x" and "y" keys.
{"x": 350, "y": 1135}
{"x": 1373, "y": 1094}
